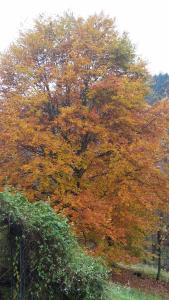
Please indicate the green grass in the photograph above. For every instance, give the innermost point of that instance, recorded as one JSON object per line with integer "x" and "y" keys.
{"x": 117, "y": 292}
{"x": 126, "y": 293}
{"x": 147, "y": 270}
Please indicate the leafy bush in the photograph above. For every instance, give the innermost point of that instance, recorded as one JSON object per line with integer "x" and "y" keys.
{"x": 54, "y": 265}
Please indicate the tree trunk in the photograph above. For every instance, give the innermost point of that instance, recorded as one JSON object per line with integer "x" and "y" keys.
{"x": 159, "y": 241}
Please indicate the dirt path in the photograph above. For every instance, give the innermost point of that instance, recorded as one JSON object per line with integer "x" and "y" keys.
{"x": 127, "y": 278}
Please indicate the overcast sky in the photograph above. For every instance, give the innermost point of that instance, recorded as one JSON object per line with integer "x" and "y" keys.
{"x": 147, "y": 22}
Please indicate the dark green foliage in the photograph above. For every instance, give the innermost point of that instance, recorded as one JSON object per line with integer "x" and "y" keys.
{"x": 54, "y": 264}
{"x": 159, "y": 88}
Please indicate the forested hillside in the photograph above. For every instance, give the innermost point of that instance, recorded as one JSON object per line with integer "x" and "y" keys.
{"x": 77, "y": 133}
{"x": 159, "y": 88}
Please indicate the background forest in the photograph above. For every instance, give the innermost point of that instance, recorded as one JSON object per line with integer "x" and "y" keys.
{"x": 81, "y": 131}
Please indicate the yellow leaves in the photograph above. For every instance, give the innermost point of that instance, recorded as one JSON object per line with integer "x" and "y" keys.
{"x": 75, "y": 129}
{"x": 76, "y": 121}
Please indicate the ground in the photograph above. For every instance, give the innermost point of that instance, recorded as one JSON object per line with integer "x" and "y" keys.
{"x": 150, "y": 285}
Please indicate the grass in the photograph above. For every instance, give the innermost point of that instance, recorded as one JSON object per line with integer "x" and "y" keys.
{"x": 126, "y": 293}
{"x": 117, "y": 292}
{"x": 147, "y": 270}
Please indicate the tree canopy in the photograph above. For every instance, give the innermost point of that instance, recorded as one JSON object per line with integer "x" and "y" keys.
{"x": 77, "y": 132}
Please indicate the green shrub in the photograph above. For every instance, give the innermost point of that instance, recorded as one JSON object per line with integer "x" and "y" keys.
{"x": 54, "y": 264}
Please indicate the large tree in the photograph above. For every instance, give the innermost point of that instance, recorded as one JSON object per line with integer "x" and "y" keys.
{"x": 75, "y": 130}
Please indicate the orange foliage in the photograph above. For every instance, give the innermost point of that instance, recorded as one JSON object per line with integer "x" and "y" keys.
{"x": 75, "y": 131}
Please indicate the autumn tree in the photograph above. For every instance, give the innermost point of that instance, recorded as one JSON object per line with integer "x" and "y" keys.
{"x": 76, "y": 131}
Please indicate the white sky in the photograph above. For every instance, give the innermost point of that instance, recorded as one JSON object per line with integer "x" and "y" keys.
{"x": 147, "y": 22}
